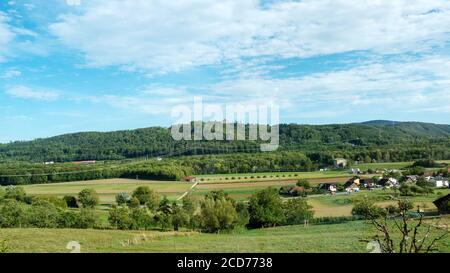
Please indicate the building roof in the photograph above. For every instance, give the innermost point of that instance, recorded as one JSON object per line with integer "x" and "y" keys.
{"x": 441, "y": 201}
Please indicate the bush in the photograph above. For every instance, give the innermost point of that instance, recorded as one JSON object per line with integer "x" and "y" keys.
{"x": 88, "y": 198}
{"x": 12, "y": 214}
{"x": 122, "y": 198}
{"x": 142, "y": 218}
{"x": 366, "y": 208}
{"x": 304, "y": 183}
{"x": 43, "y": 214}
{"x": 68, "y": 219}
{"x": 57, "y": 202}
{"x": 16, "y": 193}
{"x": 71, "y": 201}
{"x": 86, "y": 219}
{"x": 119, "y": 217}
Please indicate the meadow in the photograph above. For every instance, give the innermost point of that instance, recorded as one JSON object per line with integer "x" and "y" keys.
{"x": 108, "y": 188}
{"x": 332, "y": 238}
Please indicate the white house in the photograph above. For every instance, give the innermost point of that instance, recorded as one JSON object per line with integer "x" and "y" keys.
{"x": 439, "y": 182}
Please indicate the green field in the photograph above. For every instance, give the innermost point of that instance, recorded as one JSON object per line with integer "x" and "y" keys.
{"x": 108, "y": 188}
{"x": 314, "y": 238}
{"x": 271, "y": 176}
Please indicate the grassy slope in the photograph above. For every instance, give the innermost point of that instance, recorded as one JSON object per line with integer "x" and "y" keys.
{"x": 321, "y": 238}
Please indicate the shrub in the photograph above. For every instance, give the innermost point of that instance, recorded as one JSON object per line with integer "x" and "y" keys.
{"x": 367, "y": 209}
{"x": 57, "y": 202}
{"x": 88, "y": 198}
{"x": 122, "y": 198}
{"x": 142, "y": 218}
{"x": 71, "y": 201}
{"x": 304, "y": 183}
{"x": 12, "y": 214}
{"x": 16, "y": 193}
{"x": 86, "y": 219}
{"x": 43, "y": 214}
{"x": 119, "y": 217}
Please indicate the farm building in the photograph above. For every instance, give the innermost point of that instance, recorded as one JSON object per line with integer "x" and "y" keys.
{"x": 367, "y": 183}
{"x": 439, "y": 182}
{"x": 190, "y": 179}
{"x": 443, "y": 204}
{"x": 388, "y": 182}
{"x": 340, "y": 163}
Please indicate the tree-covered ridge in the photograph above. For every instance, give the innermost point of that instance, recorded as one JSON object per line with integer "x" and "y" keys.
{"x": 158, "y": 141}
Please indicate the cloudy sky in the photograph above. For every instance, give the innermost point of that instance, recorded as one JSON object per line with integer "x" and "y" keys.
{"x": 83, "y": 65}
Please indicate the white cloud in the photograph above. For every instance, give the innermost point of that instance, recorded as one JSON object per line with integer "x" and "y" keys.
{"x": 6, "y": 35}
{"x": 161, "y": 36}
{"x": 13, "y": 73}
{"x": 25, "y": 92}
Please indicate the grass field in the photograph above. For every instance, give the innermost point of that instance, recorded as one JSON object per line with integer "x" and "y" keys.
{"x": 107, "y": 189}
{"x": 271, "y": 176}
{"x": 343, "y": 237}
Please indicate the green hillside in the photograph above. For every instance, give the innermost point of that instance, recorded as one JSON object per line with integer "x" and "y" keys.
{"x": 158, "y": 141}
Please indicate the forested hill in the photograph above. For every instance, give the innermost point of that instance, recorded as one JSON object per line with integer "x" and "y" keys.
{"x": 157, "y": 141}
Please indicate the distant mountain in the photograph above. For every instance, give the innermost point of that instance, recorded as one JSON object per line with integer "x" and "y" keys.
{"x": 157, "y": 140}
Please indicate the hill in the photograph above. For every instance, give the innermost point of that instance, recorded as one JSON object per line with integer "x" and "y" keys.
{"x": 158, "y": 141}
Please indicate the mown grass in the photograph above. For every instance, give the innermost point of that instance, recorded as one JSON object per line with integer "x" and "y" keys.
{"x": 108, "y": 188}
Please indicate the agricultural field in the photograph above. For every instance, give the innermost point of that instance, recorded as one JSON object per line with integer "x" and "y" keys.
{"x": 108, "y": 188}
{"x": 268, "y": 176}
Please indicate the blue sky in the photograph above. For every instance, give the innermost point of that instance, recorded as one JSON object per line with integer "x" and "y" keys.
{"x": 100, "y": 65}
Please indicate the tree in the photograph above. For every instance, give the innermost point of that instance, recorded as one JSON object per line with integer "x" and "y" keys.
{"x": 119, "y": 217}
{"x": 217, "y": 215}
{"x": 17, "y": 193}
{"x": 366, "y": 208}
{"x": 266, "y": 209}
{"x": 297, "y": 211}
{"x": 415, "y": 235}
{"x": 12, "y": 214}
{"x": 71, "y": 201}
{"x": 304, "y": 183}
{"x": 88, "y": 198}
{"x": 43, "y": 214}
{"x": 86, "y": 218}
{"x": 147, "y": 196}
{"x": 179, "y": 216}
{"x": 142, "y": 218}
{"x": 122, "y": 198}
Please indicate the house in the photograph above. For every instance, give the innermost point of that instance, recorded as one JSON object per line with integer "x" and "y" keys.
{"x": 367, "y": 183}
{"x": 328, "y": 187}
{"x": 49, "y": 163}
{"x": 190, "y": 179}
{"x": 340, "y": 163}
{"x": 439, "y": 182}
{"x": 443, "y": 204}
{"x": 388, "y": 182}
{"x": 412, "y": 178}
{"x": 355, "y": 171}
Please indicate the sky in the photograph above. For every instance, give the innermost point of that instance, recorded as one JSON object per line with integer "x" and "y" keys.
{"x": 102, "y": 65}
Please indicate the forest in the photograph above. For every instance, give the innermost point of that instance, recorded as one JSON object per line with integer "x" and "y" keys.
{"x": 157, "y": 141}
